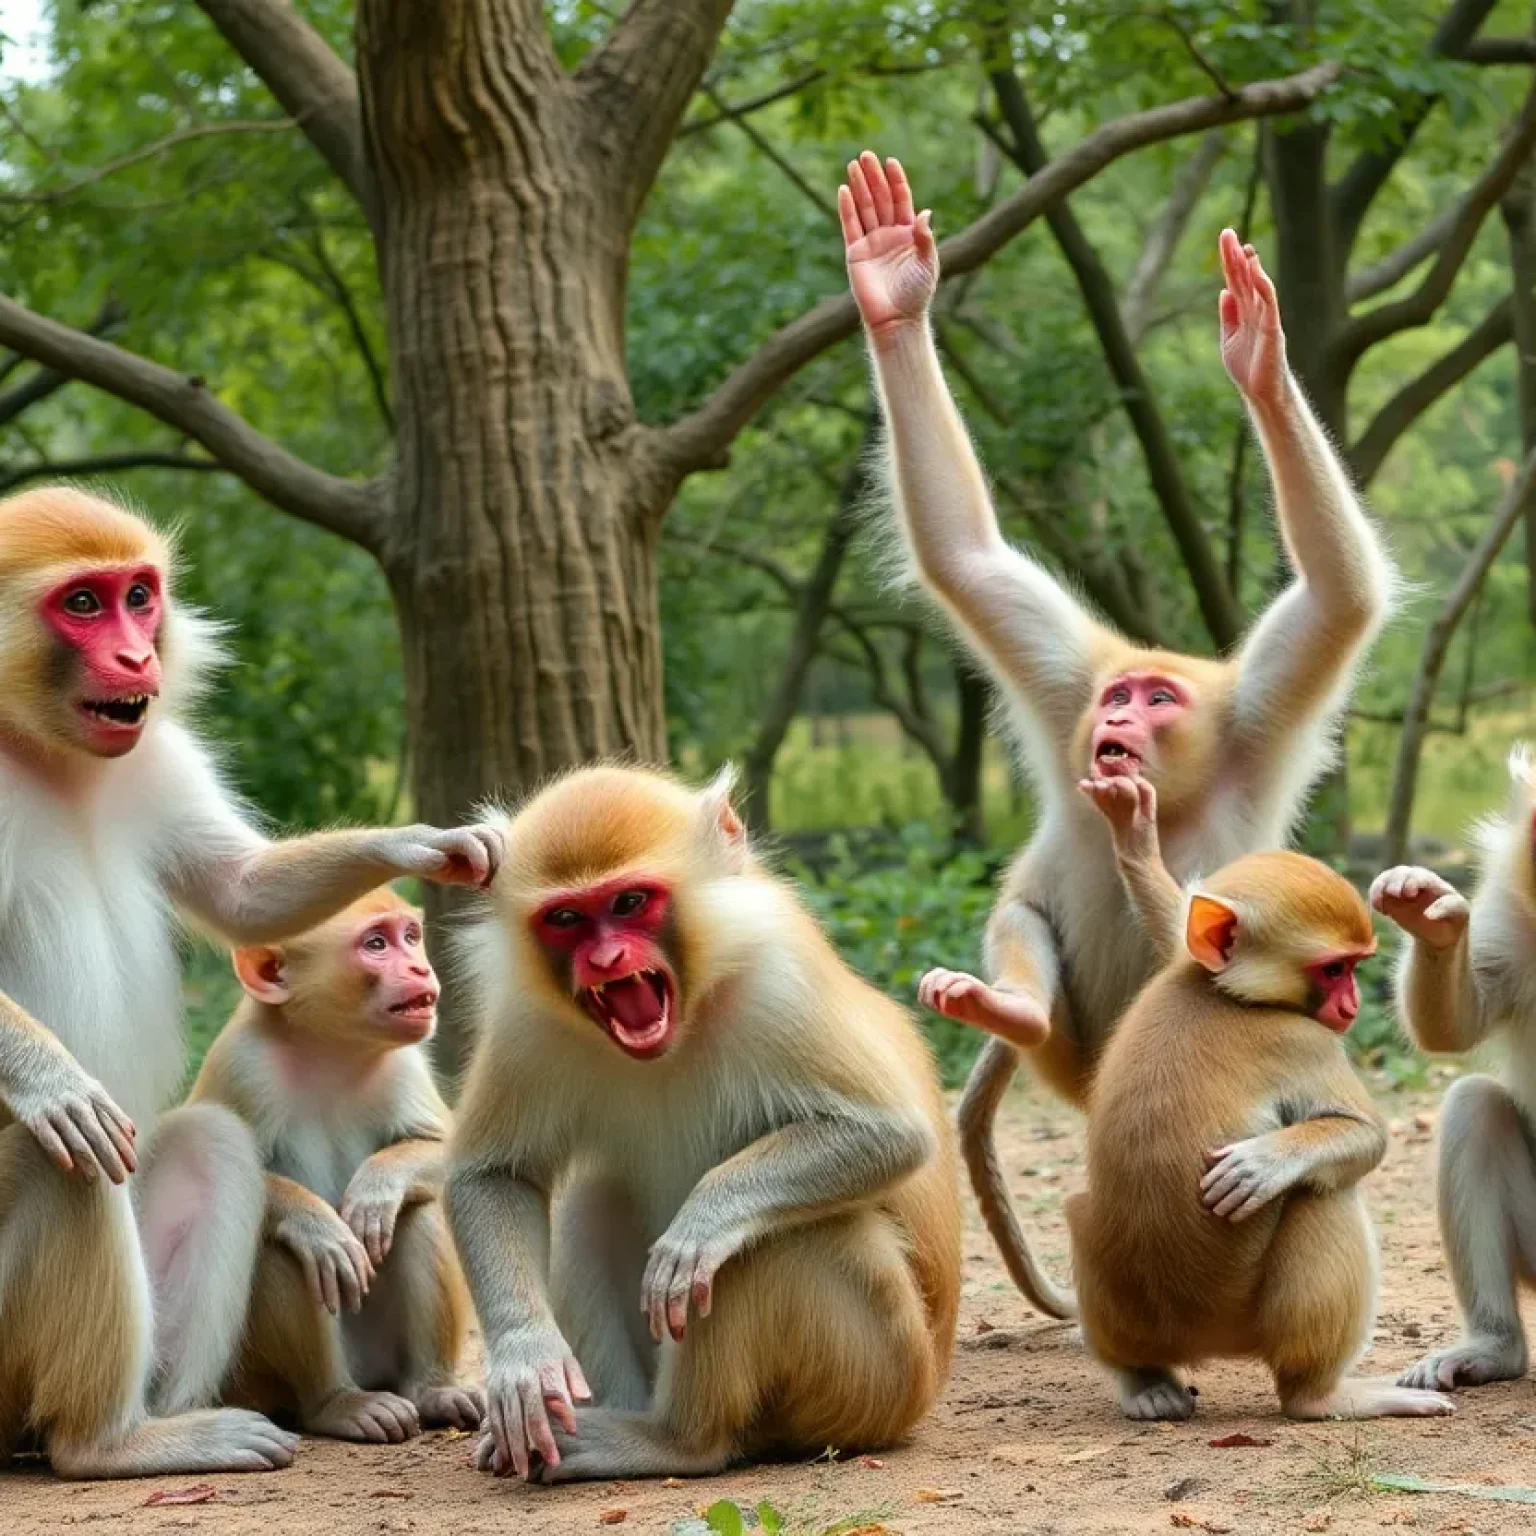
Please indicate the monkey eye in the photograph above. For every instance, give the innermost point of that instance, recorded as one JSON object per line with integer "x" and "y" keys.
{"x": 627, "y": 903}
{"x": 82, "y": 603}
{"x": 413, "y": 934}
{"x": 138, "y": 595}
{"x": 1120, "y": 696}
{"x": 376, "y": 942}
{"x": 1163, "y": 696}
{"x": 563, "y": 917}
{"x": 1335, "y": 969}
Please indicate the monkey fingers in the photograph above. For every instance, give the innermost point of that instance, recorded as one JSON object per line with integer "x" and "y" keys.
{"x": 1011, "y": 1016}
{"x": 1243, "y": 1179}
{"x": 86, "y": 1133}
{"x": 680, "y": 1271}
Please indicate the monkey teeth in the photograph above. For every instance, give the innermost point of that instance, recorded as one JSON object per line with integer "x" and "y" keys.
{"x": 423, "y": 1002}
{"x": 636, "y": 1011}
{"x": 126, "y": 711}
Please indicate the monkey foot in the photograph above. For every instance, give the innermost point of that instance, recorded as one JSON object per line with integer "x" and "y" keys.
{"x": 449, "y": 1407}
{"x": 1154, "y": 1395}
{"x": 1480, "y": 1359}
{"x": 1009, "y": 1015}
{"x": 1358, "y": 1399}
{"x": 212, "y": 1440}
{"x": 380, "y": 1418}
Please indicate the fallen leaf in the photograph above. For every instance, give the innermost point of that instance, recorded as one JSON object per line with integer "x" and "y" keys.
{"x": 1183, "y": 1521}
{"x": 1317, "y": 1522}
{"x": 983, "y": 1326}
{"x": 1237, "y": 1441}
{"x": 1502, "y": 1493}
{"x": 1423, "y": 1122}
{"x": 873, "y": 1462}
{"x": 937, "y": 1495}
{"x": 198, "y": 1493}
{"x": 1185, "y": 1488}
{"x": 391, "y": 1493}
{"x": 613, "y": 1517}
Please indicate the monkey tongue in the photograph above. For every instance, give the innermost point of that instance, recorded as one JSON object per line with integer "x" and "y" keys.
{"x": 636, "y": 1010}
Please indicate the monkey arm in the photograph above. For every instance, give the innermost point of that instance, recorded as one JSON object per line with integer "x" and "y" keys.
{"x": 1155, "y": 899}
{"x": 1297, "y": 657}
{"x": 1438, "y": 997}
{"x": 1041, "y": 643}
{"x": 409, "y": 1172}
{"x": 267, "y": 891}
{"x": 336, "y": 1266}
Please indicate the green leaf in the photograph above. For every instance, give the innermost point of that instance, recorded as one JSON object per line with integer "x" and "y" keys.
{"x": 725, "y": 1518}
{"x": 770, "y": 1519}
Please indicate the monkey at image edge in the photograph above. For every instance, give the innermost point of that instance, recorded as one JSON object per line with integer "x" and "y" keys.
{"x": 128, "y": 1238}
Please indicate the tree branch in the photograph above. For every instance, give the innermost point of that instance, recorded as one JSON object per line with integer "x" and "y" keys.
{"x": 735, "y": 111}
{"x": 701, "y": 440}
{"x": 1495, "y": 330}
{"x": 1499, "y": 50}
{"x": 347, "y": 507}
{"x": 1391, "y": 269}
{"x": 638, "y": 84}
{"x": 1358, "y": 335}
{"x": 103, "y": 464}
{"x": 1356, "y": 190}
{"x": 1220, "y": 613}
{"x": 310, "y": 83}
{"x": 46, "y": 381}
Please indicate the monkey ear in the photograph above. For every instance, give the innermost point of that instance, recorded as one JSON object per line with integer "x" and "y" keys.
{"x": 261, "y": 972}
{"x": 1210, "y": 929}
{"x": 720, "y": 823}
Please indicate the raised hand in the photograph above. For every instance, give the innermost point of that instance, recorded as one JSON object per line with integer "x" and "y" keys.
{"x": 1423, "y": 905}
{"x": 893, "y": 262}
{"x": 1129, "y": 805}
{"x": 1252, "y": 341}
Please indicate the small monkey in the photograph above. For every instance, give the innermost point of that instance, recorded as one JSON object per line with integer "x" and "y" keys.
{"x": 1233, "y": 746}
{"x": 682, "y": 1098}
{"x": 127, "y": 1242}
{"x": 324, "y": 1060}
{"x": 1226, "y": 1135}
{"x": 1468, "y": 976}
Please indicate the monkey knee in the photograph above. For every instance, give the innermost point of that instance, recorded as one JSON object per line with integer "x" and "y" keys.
{"x": 1478, "y": 1115}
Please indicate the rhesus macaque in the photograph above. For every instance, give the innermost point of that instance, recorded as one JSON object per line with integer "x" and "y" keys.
{"x": 1468, "y": 976}
{"x": 118, "y": 1306}
{"x": 699, "y": 1164}
{"x": 1232, "y": 746}
{"x": 324, "y": 1061}
{"x": 1226, "y": 1135}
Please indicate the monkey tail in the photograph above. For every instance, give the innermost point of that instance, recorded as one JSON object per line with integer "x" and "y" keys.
{"x": 989, "y": 1079}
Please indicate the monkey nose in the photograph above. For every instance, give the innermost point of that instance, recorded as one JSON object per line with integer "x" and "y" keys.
{"x": 135, "y": 661}
{"x": 606, "y": 957}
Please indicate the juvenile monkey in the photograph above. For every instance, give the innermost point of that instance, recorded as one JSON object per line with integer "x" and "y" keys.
{"x": 324, "y": 1061}
{"x": 120, "y": 1299}
{"x": 1232, "y": 746}
{"x": 1469, "y": 976}
{"x": 1226, "y": 1135}
{"x": 681, "y": 1097}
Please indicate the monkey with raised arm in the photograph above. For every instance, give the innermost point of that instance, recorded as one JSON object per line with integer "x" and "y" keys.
{"x": 127, "y": 1247}
{"x": 702, "y": 1173}
{"x": 1468, "y": 977}
{"x": 1227, "y": 1133}
{"x": 1232, "y": 746}
{"x": 360, "y": 1309}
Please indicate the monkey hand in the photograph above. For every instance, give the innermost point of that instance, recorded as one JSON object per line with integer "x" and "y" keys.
{"x": 455, "y": 856}
{"x": 371, "y": 1206}
{"x": 529, "y": 1376}
{"x": 1252, "y": 341}
{"x": 74, "y": 1119}
{"x": 681, "y": 1271}
{"x": 1129, "y": 805}
{"x": 893, "y": 262}
{"x": 335, "y": 1263}
{"x": 1423, "y": 905}
{"x": 1010, "y": 1016}
{"x": 1245, "y": 1177}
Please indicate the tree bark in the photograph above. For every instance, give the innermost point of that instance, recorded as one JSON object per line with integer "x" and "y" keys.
{"x": 1518, "y": 208}
{"x": 964, "y": 779}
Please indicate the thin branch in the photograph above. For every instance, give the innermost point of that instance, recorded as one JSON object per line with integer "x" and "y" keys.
{"x": 1157, "y": 253}
{"x": 309, "y": 81}
{"x": 1221, "y": 615}
{"x": 354, "y": 509}
{"x": 1358, "y": 335}
{"x": 768, "y": 152}
{"x": 733, "y": 112}
{"x": 1499, "y": 50}
{"x": 148, "y": 152}
{"x": 703, "y": 438}
{"x": 1495, "y": 330}
{"x": 1351, "y": 198}
{"x": 103, "y": 464}
{"x": 1391, "y": 269}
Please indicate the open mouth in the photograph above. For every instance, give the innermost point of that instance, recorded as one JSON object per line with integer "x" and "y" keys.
{"x": 415, "y": 1010}
{"x": 1113, "y": 759}
{"x": 122, "y": 713}
{"x": 636, "y": 1011}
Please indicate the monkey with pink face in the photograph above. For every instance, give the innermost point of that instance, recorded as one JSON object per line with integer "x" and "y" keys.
{"x": 128, "y": 1239}
{"x": 1232, "y": 746}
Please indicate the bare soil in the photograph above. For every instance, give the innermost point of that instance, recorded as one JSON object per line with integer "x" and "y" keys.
{"x": 1026, "y": 1439}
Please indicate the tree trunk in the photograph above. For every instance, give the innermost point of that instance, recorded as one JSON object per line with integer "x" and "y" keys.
{"x": 1517, "y": 209}
{"x": 522, "y": 548}
{"x": 964, "y": 779}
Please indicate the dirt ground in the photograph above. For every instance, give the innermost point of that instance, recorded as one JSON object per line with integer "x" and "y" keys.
{"x": 1027, "y": 1438}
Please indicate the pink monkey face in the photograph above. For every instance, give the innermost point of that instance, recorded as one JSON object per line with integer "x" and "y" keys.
{"x": 1133, "y": 711}
{"x": 1335, "y": 997}
{"x": 106, "y": 622}
{"x": 403, "y": 987}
